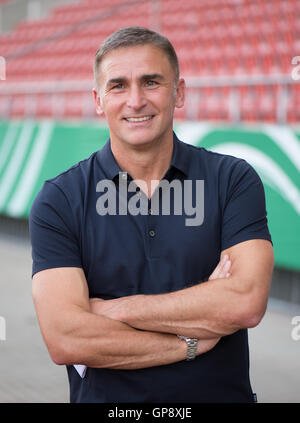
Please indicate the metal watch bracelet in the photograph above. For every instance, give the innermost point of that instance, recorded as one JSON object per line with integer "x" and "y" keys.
{"x": 191, "y": 347}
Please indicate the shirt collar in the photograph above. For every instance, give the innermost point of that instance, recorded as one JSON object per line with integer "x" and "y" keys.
{"x": 108, "y": 162}
{"x": 180, "y": 158}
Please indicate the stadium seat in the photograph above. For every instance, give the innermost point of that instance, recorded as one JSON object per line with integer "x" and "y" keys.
{"x": 215, "y": 38}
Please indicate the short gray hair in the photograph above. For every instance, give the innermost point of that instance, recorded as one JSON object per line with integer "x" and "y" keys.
{"x": 135, "y": 36}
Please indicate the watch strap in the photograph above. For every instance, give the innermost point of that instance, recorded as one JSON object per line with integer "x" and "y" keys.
{"x": 191, "y": 347}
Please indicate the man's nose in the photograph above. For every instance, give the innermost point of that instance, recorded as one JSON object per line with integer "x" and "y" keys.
{"x": 136, "y": 98}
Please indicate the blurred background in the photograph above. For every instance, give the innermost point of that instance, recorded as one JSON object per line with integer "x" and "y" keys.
{"x": 241, "y": 63}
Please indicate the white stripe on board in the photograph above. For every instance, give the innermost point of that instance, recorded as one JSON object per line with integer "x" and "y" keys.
{"x": 286, "y": 140}
{"x": 19, "y": 201}
{"x": 7, "y": 143}
{"x": 270, "y": 170}
{"x": 193, "y": 132}
{"x": 16, "y": 161}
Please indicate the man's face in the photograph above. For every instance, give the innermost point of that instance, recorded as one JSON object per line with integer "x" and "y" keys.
{"x": 138, "y": 94}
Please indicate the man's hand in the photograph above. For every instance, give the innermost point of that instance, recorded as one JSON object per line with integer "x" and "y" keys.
{"x": 222, "y": 269}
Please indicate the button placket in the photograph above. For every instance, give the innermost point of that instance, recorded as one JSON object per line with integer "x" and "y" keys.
{"x": 152, "y": 220}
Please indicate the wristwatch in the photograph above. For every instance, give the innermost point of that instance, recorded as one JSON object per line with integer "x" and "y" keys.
{"x": 191, "y": 347}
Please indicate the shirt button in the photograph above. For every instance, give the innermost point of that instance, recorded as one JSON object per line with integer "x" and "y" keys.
{"x": 124, "y": 175}
{"x": 152, "y": 233}
{"x": 139, "y": 194}
{"x": 150, "y": 211}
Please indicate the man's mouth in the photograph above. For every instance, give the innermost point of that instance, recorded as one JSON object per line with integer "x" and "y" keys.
{"x": 139, "y": 119}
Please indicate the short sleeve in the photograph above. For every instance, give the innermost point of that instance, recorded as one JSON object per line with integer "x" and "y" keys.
{"x": 53, "y": 231}
{"x": 244, "y": 213}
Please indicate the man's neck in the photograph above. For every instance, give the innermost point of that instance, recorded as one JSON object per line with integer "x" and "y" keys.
{"x": 144, "y": 162}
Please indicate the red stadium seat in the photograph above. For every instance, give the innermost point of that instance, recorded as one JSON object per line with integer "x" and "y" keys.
{"x": 215, "y": 38}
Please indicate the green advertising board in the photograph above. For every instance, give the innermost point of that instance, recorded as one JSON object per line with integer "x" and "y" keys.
{"x": 274, "y": 152}
{"x": 33, "y": 151}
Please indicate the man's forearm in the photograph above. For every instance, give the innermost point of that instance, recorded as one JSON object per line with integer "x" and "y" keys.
{"x": 182, "y": 312}
{"x": 215, "y": 308}
{"x": 188, "y": 312}
{"x": 75, "y": 334}
{"x": 97, "y": 341}
{"x": 202, "y": 311}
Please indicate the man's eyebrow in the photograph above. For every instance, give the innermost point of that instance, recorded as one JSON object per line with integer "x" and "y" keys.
{"x": 142, "y": 78}
{"x": 152, "y": 76}
{"x": 115, "y": 81}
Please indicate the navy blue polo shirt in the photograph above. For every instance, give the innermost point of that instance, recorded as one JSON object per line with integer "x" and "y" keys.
{"x": 152, "y": 253}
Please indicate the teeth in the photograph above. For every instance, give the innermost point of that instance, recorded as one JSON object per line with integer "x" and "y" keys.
{"x": 139, "y": 119}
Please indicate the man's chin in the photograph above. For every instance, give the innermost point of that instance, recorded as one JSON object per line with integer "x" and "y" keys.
{"x": 139, "y": 138}
{"x": 140, "y": 142}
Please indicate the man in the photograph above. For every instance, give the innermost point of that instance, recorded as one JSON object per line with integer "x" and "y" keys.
{"x": 126, "y": 285}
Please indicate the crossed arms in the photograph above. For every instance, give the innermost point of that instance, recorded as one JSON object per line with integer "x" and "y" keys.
{"x": 140, "y": 331}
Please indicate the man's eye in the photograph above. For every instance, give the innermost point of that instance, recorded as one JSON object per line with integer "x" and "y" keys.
{"x": 118, "y": 86}
{"x": 151, "y": 83}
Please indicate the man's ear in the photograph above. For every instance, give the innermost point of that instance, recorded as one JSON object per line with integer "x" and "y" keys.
{"x": 98, "y": 103}
{"x": 180, "y": 93}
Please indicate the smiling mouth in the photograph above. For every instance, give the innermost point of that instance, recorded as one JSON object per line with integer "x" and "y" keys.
{"x": 139, "y": 119}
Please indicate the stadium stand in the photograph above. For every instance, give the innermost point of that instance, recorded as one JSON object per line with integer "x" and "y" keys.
{"x": 13, "y": 12}
{"x": 219, "y": 42}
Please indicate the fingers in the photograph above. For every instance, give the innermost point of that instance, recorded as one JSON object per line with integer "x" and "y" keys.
{"x": 223, "y": 269}
{"x": 205, "y": 345}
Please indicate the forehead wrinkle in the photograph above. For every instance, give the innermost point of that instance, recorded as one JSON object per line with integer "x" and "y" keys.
{"x": 113, "y": 76}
